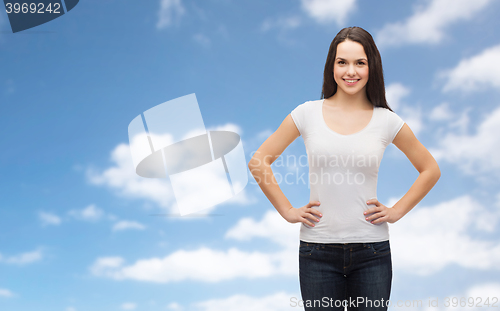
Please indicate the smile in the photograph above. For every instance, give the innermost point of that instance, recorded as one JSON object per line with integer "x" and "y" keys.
{"x": 351, "y": 82}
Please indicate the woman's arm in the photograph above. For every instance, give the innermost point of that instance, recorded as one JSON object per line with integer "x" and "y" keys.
{"x": 260, "y": 167}
{"x": 429, "y": 171}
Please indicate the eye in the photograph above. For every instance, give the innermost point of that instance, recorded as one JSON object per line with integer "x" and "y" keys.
{"x": 362, "y": 63}
{"x": 340, "y": 61}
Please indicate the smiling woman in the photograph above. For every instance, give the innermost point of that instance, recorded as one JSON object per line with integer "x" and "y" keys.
{"x": 344, "y": 251}
{"x": 354, "y": 55}
{"x": 350, "y": 72}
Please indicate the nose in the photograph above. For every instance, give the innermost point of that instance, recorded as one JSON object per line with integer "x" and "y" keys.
{"x": 351, "y": 71}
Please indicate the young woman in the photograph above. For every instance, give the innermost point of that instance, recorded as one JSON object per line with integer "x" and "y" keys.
{"x": 344, "y": 253}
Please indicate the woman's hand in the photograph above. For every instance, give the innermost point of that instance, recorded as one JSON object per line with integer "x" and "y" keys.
{"x": 303, "y": 214}
{"x": 382, "y": 213}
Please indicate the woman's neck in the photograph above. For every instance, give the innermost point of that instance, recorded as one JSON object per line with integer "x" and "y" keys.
{"x": 344, "y": 101}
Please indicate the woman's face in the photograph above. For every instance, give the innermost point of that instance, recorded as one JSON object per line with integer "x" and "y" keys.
{"x": 350, "y": 69}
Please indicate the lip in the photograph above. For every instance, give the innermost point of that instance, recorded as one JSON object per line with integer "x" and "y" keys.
{"x": 351, "y": 84}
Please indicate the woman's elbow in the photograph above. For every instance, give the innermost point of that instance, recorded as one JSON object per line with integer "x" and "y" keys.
{"x": 254, "y": 162}
{"x": 436, "y": 171}
{"x": 432, "y": 170}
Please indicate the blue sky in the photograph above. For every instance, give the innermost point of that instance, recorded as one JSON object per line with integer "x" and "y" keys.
{"x": 80, "y": 231}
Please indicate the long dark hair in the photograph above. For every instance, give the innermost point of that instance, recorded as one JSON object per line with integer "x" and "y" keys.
{"x": 375, "y": 88}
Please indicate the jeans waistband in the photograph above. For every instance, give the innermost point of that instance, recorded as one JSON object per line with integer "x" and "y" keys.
{"x": 338, "y": 245}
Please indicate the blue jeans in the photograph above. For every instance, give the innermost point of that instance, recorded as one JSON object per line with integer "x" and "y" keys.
{"x": 334, "y": 275}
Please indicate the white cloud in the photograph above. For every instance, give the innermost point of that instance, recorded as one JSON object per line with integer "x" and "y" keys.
{"x": 103, "y": 264}
{"x": 6, "y": 293}
{"x": 170, "y": 13}
{"x": 184, "y": 265}
{"x": 49, "y": 219}
{"x": 202, "y": 39}
{"x": 412, "y": 115}
{"x": 89, "y": 213}
{"x": 452, "y": 119}
{"x": 92, "y": 214}
{"x": 327, "y": 11}
{"x": 475, "y": 154}
{"x": 24, "y": 258}
{"x": 122, "y": 178}
{"x": 429, "y": 21}
{"x": 413, "y": 118}
{"x": 473, "y": 74}
{"x": 279, "y": 301}
{"x": 111, "y": 217}
{"x": 483, "y": 291}
{"x": 128, "y": 306}
{"x": 429, "y": 238}
{"x": 174, "y": 306}
{"x": 394, "y": 92}
{"x": 272, "y": 227}
{"x": 126, "y": 225}
{"x": 441, "y": 112}
{"x": 216, "y": 265}
{"x": 462, "y": 121}
{"x": 273, "y": 302}
{"x": 283, "y": 23}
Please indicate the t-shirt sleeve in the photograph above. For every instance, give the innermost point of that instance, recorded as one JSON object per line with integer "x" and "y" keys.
{"x": 298, "y": 115}
{"x": 394, "y": 124}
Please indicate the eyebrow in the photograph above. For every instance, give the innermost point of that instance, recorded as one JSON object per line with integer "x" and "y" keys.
{"x": 357, "y": 59}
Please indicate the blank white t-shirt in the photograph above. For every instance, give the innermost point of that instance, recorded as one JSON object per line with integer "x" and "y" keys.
{"x": 343, "y": 171}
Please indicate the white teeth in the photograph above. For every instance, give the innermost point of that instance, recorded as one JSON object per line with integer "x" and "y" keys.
{"x": 351, "y": 81}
